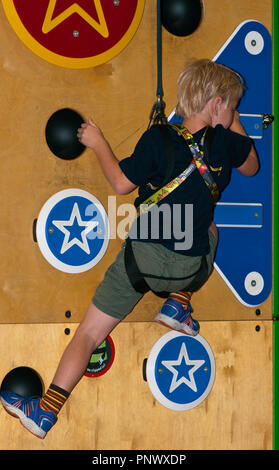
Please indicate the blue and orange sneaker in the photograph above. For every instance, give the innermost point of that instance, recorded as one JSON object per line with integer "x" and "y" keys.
{"x": 176, "y": 317}
{"x": 32, "y": 416}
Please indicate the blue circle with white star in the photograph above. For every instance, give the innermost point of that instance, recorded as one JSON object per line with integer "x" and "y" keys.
{"x": 73, "y": 230}
{"x": 180, "y": 370}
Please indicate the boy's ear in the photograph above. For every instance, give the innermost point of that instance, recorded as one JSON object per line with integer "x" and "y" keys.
{"x": 215, "y": 104}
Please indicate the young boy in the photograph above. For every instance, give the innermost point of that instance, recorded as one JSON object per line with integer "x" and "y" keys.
{"x": 208, "y": 94}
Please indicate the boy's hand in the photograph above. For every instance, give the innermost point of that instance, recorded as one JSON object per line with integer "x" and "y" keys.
{"x": 90, "y": 135}
{"x": 236, "y": 125}
{"x": 251, "y": 164}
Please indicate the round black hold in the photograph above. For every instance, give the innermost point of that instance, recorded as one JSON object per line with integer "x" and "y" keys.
{"x": 23, "y": 381}
{"x": 67, "y": 331}
{"x": 258, "y": 328}
{"x": 68, "y": 314}
{"x": 144, "y": 364}
{"x": 34, "y": 232}
{"x": 181, "y": 17}
{"x": 61, "y": 134}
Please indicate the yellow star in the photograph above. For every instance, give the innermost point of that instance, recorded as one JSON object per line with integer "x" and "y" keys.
{"x": 51, "y": 23}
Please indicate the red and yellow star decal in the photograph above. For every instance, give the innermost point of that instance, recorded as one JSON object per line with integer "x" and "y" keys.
{"x": 75, "y": 34}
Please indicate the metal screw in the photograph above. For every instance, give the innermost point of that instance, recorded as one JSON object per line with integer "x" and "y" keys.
{"x": 50, "y": 230}
{"x": 75, "y": 33}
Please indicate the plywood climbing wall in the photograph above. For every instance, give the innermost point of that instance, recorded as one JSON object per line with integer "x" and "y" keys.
{"x": 35, "y": 296}
{"x": 117, "y": 410}
{"x": 120, "y": 100}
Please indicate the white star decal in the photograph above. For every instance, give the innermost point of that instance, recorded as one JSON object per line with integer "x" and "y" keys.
{"x": 171, "y": 366}
{"x": 62, "y": 224}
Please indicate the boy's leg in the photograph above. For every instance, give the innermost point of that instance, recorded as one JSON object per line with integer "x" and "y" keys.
{"x": 91, "y": 332}
{"x": 39, "y": 415}
{"x": 176, "y": 312}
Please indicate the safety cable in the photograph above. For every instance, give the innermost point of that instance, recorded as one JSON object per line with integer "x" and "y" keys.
{"x": 157, "y": 115}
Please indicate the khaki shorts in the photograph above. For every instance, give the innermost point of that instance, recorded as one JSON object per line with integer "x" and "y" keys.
{"x": 115, "y": 295}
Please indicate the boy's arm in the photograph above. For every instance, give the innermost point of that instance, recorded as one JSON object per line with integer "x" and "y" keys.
{"x": 251, "y": 164}
{"x": 91, "y": 136}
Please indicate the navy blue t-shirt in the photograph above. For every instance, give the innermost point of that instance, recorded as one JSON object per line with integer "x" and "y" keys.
{"x": 148, "y": 164}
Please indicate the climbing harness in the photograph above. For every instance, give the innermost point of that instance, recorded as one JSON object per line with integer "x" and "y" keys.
{"x": 136, "y": 277}
{"x": 197, "y": 153}
{"x": 197, "y": 162}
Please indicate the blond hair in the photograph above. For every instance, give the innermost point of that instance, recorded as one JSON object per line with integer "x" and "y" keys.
{"x": 203, "y": 79}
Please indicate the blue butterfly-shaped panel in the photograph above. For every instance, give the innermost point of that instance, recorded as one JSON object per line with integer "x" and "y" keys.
{"x": 244, "y": 213}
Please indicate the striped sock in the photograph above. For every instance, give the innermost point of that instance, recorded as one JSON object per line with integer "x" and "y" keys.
{"x": 54, "y": 399}
{"x": 181, "y": 296}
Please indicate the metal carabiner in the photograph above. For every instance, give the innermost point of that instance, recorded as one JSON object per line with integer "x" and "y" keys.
{"x": 267, "y": 120}
{"x": 157, "y": 115}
